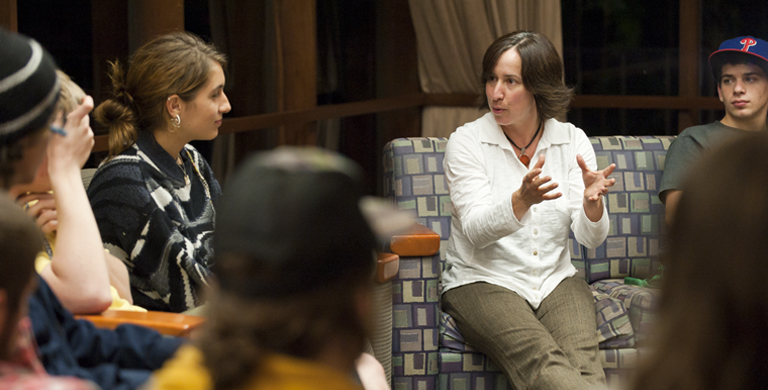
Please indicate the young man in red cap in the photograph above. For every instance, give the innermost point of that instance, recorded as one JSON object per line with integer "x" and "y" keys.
{"x": 740, "y": 67}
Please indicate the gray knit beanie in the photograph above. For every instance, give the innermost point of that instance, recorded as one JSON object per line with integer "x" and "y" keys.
{"x": 29, "y": 88}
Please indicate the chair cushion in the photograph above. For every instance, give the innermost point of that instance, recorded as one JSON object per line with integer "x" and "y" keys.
{"x": 640, "y": 303}
{"x": 614, "y": 330}
{"x": 451, "y": 339}
{"x": 635, "y": 211}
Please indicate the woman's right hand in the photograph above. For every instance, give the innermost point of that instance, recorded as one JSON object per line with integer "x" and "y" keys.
{"x": 534, "y": 190}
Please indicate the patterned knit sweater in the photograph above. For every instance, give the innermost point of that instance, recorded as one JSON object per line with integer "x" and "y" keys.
{"x": 159, "y": 219}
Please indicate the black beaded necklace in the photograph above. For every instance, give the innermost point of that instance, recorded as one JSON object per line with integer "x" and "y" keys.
{"x": 523, "y": 157}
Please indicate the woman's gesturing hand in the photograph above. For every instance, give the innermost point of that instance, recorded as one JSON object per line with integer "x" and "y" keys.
{"x": 596, "y": 183}
{"x": 534, "y": 190}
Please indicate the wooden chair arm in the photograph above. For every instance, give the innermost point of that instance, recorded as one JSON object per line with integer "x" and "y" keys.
{"x": 388, "y": 264}
{"x": 172, "y": 324}
{"x": 419, "y": 241}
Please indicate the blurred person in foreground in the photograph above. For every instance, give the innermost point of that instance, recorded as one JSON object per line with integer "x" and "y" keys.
{"x": 291, "y": 306}
{"x": 711, "y": 322}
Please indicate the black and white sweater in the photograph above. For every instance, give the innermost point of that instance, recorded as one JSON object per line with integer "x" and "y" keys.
{"x": 158, "y": 219}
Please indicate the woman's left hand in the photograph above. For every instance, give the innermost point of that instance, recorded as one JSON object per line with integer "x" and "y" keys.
{"x": 596, "y": 183}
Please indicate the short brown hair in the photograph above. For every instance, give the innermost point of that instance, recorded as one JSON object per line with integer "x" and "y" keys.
{"x": 542, "y": 71}
{"x": 173, "y": 64}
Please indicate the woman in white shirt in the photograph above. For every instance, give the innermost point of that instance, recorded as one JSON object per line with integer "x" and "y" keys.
{"x": 508, "y": 280}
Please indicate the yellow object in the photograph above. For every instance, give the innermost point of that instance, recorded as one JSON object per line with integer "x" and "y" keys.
{"x": 118, "y": 303}
{"x": 277, "y": 372}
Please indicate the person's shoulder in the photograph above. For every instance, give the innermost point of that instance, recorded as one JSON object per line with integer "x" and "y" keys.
{"x": 565, "y": 127}
{"x": 125, "y": 169}
{"x": 564, "y": 132}
{"x": 702, "y": 132}
{"x": 477, "y": 125}
{"x": 473, "y": 130}
{"x": 126, "y": 164}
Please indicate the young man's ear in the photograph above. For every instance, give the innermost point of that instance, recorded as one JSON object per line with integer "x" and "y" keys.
{"x": 719, "y": 92}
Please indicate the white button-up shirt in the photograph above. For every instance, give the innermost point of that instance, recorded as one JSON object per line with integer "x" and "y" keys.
{"x": 488, "y": 243}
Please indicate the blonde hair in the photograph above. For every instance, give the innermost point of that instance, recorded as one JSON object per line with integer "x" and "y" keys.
{"x": 173, "y": 64}
{"x": 71, "y": 95}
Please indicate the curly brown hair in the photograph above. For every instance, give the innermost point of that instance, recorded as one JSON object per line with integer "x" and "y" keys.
{"x": 542, "y": 71}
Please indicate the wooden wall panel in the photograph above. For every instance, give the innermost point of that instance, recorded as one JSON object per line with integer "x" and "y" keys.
{"x": 296, "y": 38}
{"x": 8, "y": 15}
{"x": 150, "y": 18}
{"x": 110, "y": 42}
{"x": 690, "y": 49}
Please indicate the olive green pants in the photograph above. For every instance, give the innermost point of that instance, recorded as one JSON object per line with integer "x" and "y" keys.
{"x": 551, "y": 347}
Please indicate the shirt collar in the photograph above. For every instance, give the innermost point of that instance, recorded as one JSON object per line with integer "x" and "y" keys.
{"x": 147, "y": 143}
{"x": 493, "y": 134}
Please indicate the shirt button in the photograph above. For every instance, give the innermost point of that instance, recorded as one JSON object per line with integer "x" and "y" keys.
{"x": 535, "y": 231}
{"x": 535, "y": 272}
{"x": 534, "y": 289}
{"x": 535, "y": 209}
{"x": 535, "y": 253}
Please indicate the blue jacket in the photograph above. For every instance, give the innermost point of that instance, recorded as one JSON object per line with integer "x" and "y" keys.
{"x": 119, "y": 359}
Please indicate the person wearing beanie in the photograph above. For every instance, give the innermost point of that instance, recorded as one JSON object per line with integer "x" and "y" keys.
{"x": 78, "y": 269}
{"x": 29, "y": 91}
{"x": 740, "y": 68}
{"x": 120, "y": 359}
{"x": 290, "y": 307}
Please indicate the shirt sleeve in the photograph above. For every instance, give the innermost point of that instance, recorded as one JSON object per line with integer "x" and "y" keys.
{"x": 119, "y": 359}
{"x": 588, "y": 233}
{"x": 483, "y": 221}
{"x": 682, "y": 154}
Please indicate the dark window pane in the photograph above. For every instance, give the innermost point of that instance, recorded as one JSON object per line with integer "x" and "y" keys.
{"x": 599, "y": 121}
{"x": 615, "y": 47}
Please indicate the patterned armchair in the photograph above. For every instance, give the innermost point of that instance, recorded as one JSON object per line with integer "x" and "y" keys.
{"x": 428, "y": 349}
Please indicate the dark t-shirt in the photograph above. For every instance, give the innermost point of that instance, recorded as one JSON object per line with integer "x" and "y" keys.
{"x": 687, "y": 148}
